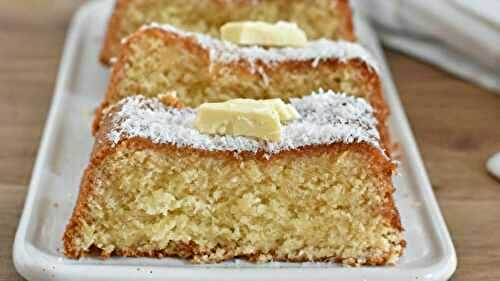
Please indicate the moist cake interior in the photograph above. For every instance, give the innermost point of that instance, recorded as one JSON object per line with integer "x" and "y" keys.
{"x": 314, "y": 205}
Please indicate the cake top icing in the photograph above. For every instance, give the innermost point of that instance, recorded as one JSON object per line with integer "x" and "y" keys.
{"x": 316, "y": 51}
{"x": 326, "y": 118}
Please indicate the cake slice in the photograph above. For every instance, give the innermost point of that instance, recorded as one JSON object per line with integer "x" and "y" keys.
{"x": 156, "y": 186}
{"x": 161, "y": 58}
{"x": 319, "y": 18}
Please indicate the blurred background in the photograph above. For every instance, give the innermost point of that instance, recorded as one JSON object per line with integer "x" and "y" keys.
{"x": 454, "y": 110}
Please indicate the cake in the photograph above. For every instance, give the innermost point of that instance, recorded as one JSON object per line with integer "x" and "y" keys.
{"x": 161, "y": 58}
{"x": 157, "y": 187}
{"x": 319, "y": 18}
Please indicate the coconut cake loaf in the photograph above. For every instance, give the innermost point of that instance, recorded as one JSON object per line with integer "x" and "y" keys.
{"x": 156, "y": 186}
{"x": 319, "y": 18}
{"x": 161, "y": 58}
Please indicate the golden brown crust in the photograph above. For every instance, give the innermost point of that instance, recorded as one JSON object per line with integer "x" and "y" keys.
{"x": 111, "y": 40}
{"x": 112, "y": 37}
{"x": 190, "y": 251}
{"x": 346, "y": 30}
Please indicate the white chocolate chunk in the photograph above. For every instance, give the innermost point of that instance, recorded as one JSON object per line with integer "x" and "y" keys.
{"x": 286, "y": 111}
{"x": 245, "y": 117}
{"x": 280, "y": 34}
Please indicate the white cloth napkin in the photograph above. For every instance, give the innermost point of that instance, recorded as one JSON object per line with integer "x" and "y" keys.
{"x": 460, "y": 36}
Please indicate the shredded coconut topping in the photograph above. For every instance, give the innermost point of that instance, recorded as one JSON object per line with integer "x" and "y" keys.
{"x": 225, "y": 52}
{"x": 326, "y": 118}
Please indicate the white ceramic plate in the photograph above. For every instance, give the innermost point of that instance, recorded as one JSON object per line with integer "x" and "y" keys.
{"x": 65, "y": 150}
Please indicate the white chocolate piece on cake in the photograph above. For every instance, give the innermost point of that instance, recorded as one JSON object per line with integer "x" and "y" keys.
{"x": 280, "y": 34}
{"x": 245, "y": 117}
{"x": 285, "y": 111}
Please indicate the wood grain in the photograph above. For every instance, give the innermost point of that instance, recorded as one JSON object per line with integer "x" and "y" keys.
{"x": 455, "y": 124}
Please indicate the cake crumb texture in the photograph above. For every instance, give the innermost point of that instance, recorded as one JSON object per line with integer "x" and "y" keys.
{"x": 320, "y": 205}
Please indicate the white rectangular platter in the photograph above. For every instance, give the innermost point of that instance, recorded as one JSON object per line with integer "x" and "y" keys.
{"x": 64, "y": 153}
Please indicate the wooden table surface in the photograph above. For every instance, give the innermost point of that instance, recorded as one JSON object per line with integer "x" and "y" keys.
{"x": 455, "y": 123}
